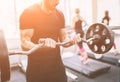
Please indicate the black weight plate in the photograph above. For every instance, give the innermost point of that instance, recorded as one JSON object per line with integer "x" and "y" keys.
{"x": 4, "y": 59}
{"x": 105, "y": 41}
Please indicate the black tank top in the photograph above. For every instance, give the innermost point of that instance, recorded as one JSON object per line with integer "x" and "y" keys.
{"x": 106, "y": 18}
{"x": 78, "y": 25}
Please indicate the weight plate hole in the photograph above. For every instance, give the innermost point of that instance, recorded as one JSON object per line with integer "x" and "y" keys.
{"x": 103, "y": 48}
{"x": 95, "y": 48}
{"x": 107, "y": 41}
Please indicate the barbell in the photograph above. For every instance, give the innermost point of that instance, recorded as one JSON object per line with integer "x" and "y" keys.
{"x": 99, "y": 39}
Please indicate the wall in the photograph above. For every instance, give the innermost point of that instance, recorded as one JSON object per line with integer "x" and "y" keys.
{"x": 113, "y": 6}
{"x": 85, "y": 7}
{"x": 8, "y": 18}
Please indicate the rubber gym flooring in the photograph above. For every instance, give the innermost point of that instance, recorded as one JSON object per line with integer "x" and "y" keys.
{"x": 113, "y": 75}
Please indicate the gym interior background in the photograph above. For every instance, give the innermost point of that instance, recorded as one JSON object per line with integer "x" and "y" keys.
{"x": 91, "y": 10}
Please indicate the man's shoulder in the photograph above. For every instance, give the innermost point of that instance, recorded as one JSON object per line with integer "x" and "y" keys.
{"x": 59, "y": 13}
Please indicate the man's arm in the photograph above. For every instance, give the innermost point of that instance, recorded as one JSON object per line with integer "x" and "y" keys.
{"x": 26, "y": 42}
{"x": 72, "y": 40}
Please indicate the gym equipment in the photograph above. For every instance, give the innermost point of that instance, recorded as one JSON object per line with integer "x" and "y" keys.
{"x": 4, "y": 59}
{"x": 4, "y": 56}
{"x": 108, "y": 57}
{"x": 102, "y": 35}
{"x": 105, "y": 41}
{"x": 91, "y": 69}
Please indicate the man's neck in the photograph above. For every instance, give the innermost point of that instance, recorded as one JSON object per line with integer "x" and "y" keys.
{"x": 46, "y": 10}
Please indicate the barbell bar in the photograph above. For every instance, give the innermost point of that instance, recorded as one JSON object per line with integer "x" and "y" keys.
{"x": 99, "y": 39}
{"x": 38, "y": 46}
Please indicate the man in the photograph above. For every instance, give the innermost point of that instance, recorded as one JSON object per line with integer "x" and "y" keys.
{"x": 42, "y": 23}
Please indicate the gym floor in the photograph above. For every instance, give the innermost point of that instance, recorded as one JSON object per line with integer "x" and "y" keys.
{"x": 113, "y": 75}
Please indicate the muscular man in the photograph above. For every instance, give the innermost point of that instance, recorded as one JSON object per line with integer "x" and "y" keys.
{"x": 43, "y": 23}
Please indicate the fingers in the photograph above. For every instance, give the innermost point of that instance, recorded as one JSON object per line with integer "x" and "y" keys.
{"x": 41, "y": 40}
{"x": 48, "y": 42}
{"x": 76, "y": 38}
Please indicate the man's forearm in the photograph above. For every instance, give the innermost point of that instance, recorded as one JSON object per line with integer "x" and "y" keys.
{"x": 27, "y": 45}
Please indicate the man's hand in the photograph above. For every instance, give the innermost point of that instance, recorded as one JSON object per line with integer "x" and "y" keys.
{"x": 47, "y": 42}
{"x": 76, "y": 38}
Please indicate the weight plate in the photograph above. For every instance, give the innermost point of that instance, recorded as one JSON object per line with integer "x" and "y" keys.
{"x": 105, "y": 39}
